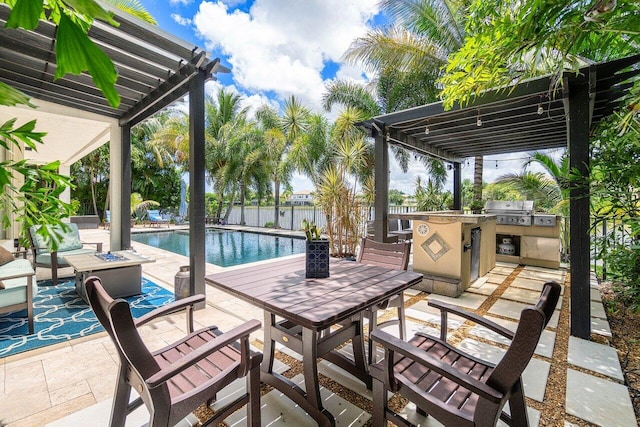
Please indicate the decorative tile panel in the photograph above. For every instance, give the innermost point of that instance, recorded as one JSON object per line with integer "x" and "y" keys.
{"x": 435, "y": 246}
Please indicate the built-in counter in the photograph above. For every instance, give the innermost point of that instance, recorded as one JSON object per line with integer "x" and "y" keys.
{"x": 451, "y": 249}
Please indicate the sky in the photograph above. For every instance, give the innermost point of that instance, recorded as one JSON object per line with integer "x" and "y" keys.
{"x": 279, "y": 48}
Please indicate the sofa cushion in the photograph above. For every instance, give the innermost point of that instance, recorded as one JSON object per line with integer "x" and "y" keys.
{"x": 5, "y": 256}
{"x": 67, "y": 239}
{"x": 45, "y": 258}
{"x": 15, "y": 291}
{"x": 1, "y": 285}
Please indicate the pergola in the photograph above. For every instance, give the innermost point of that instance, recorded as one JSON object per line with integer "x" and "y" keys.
{"x": 534, "y": 115}
{"x": 154, "y": 70}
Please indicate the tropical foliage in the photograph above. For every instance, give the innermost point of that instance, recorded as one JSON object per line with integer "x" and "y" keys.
{"x": 513, "y": 40}
{"x": 430, "y": 197}
{"x": 38, "y": 198}
{"x": 616, "y": 204}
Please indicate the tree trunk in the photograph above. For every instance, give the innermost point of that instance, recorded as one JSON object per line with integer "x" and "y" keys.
{"x": 242, "y": 195}
{"x": 276, "y": 191}
{"x": 477, "y": 178}
{"x": 93, "y": 192}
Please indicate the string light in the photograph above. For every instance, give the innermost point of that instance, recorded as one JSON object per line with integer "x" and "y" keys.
{"x": 426, "y": 130}
{"x": 479, "y": 121}
{"x": 388, "y": 137}
{"x": 540, "y": 110}
{"x": 496, "y": 164}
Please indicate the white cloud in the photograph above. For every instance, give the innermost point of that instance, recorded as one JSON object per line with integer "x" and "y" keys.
{"x": 282, "y": 46}
{"x": 179, "y": 2}
{"x": 181, "y": 19}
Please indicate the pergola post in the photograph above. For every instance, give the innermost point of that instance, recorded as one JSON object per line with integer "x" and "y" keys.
{"x": 457, "y": 186}
{"x": 125, "y": 206}
{"x": 578, "y": 117}
{"x": 120, "y": 187}
{"x": 380, "y": 224}
{"x": 196, "y": 184}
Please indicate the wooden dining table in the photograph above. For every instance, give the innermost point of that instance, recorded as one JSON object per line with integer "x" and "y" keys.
{"x": 313, "y": 316}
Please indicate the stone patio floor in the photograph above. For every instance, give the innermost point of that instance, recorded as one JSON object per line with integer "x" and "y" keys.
{"x": 72, "y": 383}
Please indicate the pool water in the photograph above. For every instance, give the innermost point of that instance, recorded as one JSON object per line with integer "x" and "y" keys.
{"x": 226, "y": 248}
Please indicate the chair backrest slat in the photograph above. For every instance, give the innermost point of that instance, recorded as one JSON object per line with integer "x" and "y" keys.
{"x": 115, "y": 316}
{"x": 391, "y": 255}
{"x": 533, "y": 320}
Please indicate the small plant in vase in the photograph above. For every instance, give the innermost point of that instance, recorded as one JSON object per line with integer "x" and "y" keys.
{"x": 317, "y": 252}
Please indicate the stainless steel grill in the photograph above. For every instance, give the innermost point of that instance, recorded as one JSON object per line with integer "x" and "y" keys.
{"x": 510, "y": 212}
{"x": 518, "y": 213}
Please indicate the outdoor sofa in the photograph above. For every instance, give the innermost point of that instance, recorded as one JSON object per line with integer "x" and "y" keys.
{"x": 69, "y": 244}
{"x": 17, "y": 285}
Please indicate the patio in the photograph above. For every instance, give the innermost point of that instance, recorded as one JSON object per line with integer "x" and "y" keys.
{"x": 583, "y": 388}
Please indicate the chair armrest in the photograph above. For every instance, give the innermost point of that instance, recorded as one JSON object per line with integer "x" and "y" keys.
{"x": 98, "y": 245}
{"x": 238, "y": 333}
{"x": 22, "y": 252}
{"x": 17, "y": 276}
{"x": 395, "y": 345}
{"x": 171, "y": 308}
{"x": 483, "y": 321}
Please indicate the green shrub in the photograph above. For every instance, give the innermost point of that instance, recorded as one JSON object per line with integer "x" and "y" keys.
{"x": 269, "y": 224}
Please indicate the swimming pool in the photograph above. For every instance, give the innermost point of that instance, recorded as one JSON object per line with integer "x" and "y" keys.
{"x": 226, "y": 248}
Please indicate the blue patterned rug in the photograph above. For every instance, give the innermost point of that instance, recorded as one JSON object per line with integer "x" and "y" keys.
{"x": 60, "y": 314}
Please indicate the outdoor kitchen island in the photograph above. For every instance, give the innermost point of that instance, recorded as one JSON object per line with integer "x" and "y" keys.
{"x": 451, "y": 249}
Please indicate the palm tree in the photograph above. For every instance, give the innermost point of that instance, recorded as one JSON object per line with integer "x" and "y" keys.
{"x": 559, "y": 171}
{"x": 244, "y": 163}
{"x": 133, "y": 8}
{"x": 534, "y": 186}
{"x": 408, "y": 58}
{"x": 310, "y": 154}
{"x": 281, "y": 133}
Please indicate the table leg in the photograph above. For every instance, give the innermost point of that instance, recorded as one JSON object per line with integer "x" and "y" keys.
{"x": 269, "y": 345}
{"x": 310, "y": 399}
{"x": 358, "y": 351}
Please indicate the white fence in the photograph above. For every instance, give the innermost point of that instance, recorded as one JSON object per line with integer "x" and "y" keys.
{"x": 290, "y": 217}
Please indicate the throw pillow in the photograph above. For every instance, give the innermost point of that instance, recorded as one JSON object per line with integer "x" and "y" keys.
{"x": 1, "y": 285}
{"x": 5, "y": 256}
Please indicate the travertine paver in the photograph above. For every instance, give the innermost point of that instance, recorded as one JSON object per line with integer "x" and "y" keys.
{"x": 542, "y": 274}
{"x": 600, "y": 327}
{"x": 466, "y": 300}
{"x": 532, "y": 414}
{"x": 495, "y": 278}
{"x": 534, "y": 377}
{"x": 98, "y": 416}
{"x": 602, "y": 402}
{"x": 526, "y": 296}
{"x": 505, "y": 271}
{"x": 597, "y": 309}
{"x": 532, "y": 284}
{"x": 595, "y": 295}
{"x": 544, "y": 347}
{"x": 513, "y": 310}
{"x": 411, "y": 292}
{"x": 277, "y": 410}
{"x": 422, "y": 311}
{"x": 482, "y": 287}
{"x": 409, "y": 412}
{"x": 595, "y": 357}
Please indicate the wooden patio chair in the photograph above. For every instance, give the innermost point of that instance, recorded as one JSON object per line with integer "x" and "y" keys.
{"x": 455, "y": 388}
{"x": 173, "y": 381}
{"x": 390, "y": 255}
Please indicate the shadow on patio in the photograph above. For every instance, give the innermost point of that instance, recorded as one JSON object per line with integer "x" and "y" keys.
{"x": 568, "y": 381}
